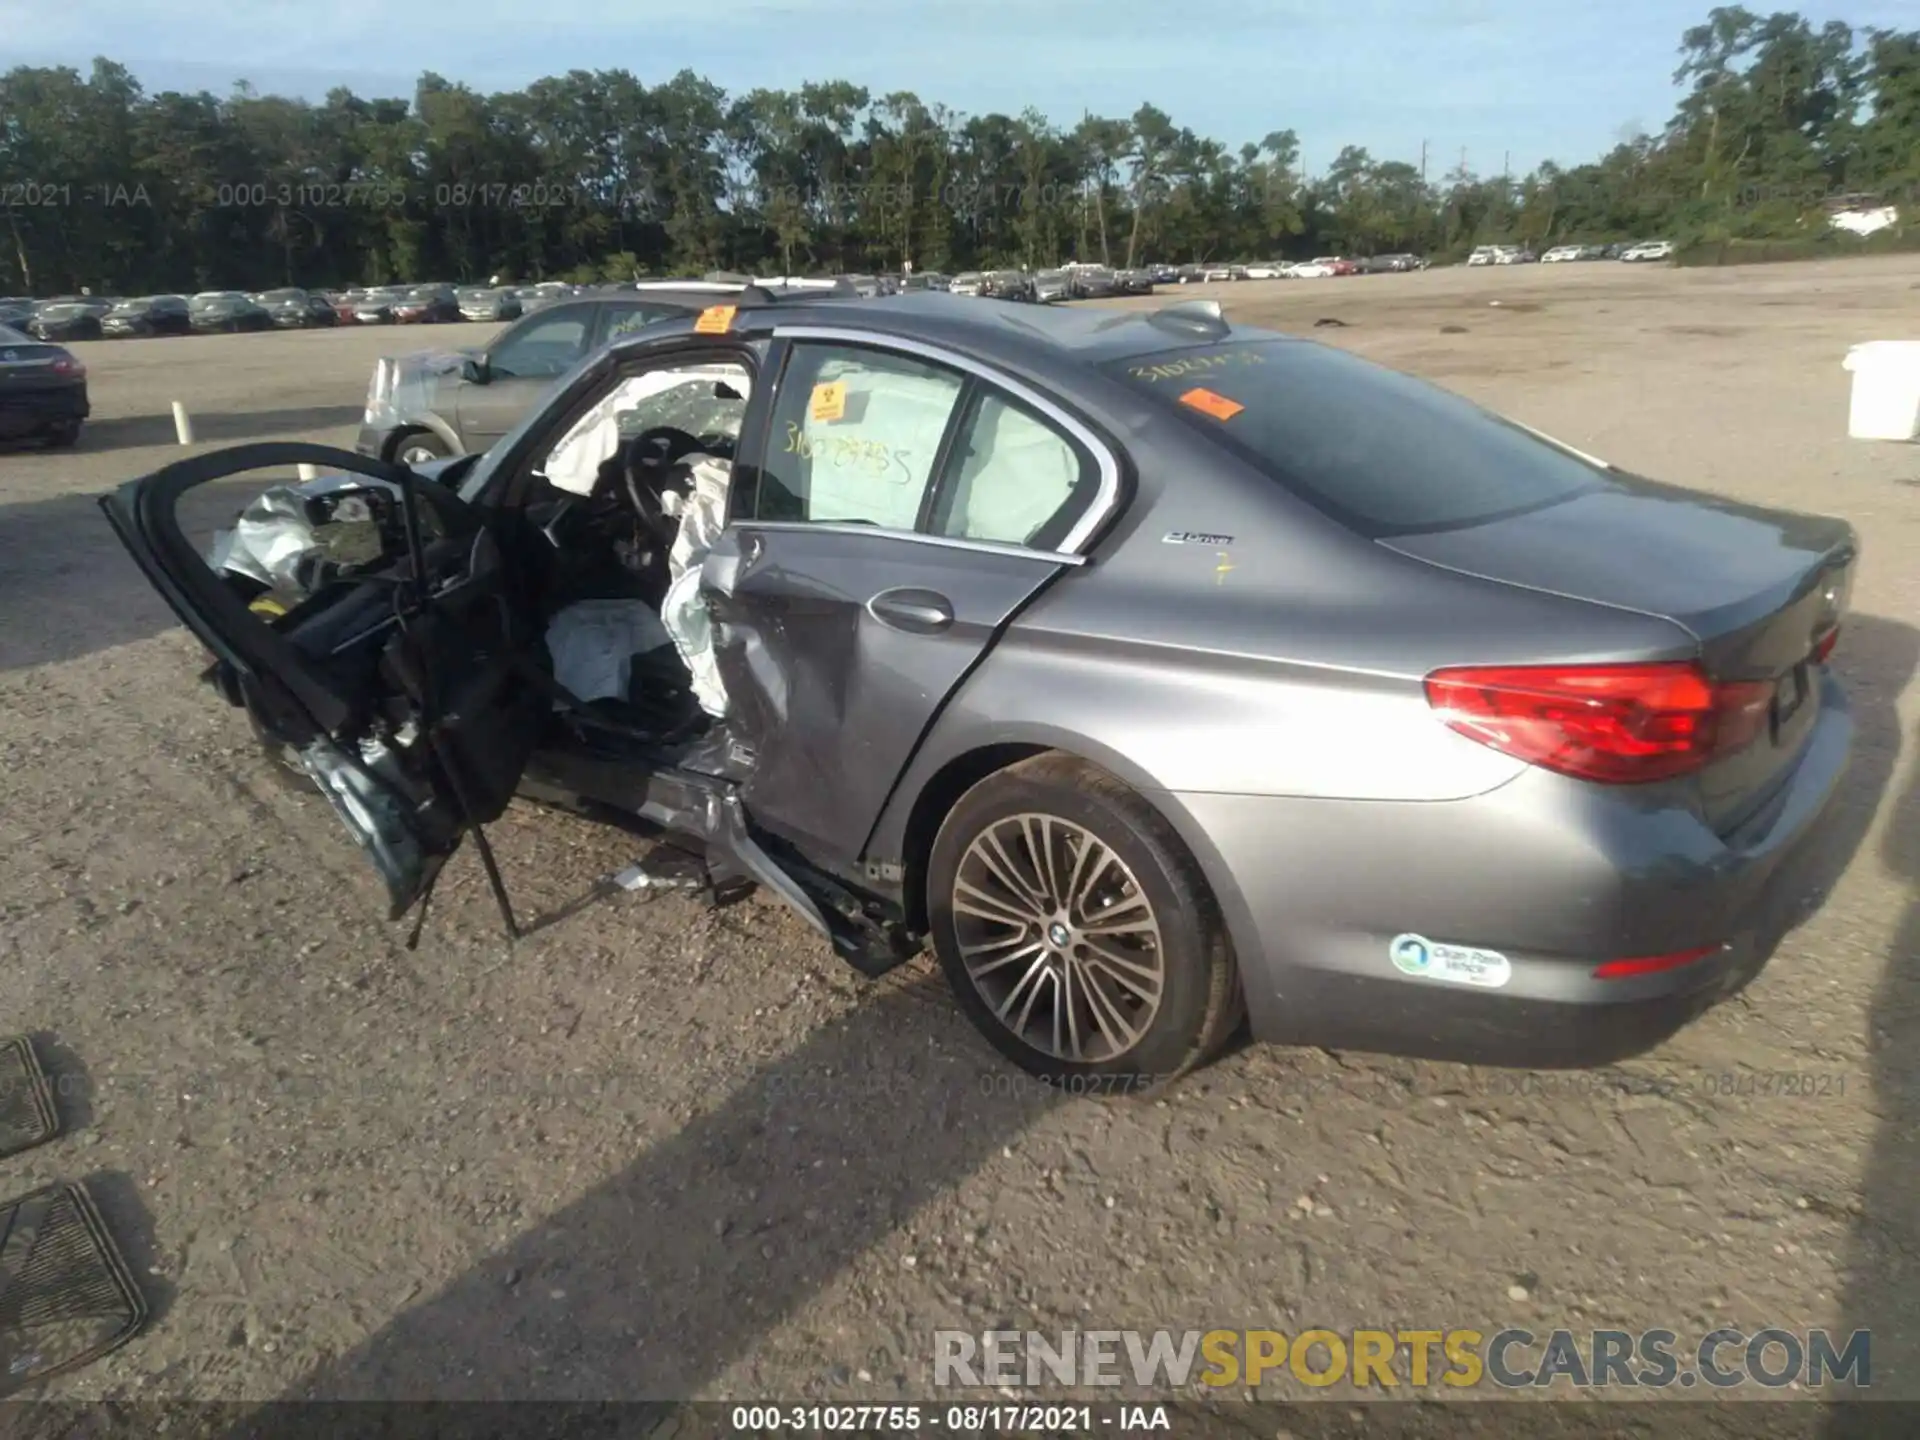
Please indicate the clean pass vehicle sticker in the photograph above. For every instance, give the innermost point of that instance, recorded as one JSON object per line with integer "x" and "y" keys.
{"x": 1457, "y": 964}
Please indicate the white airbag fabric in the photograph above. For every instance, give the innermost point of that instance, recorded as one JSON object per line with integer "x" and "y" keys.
{"x": 1017, "y": 476}
{"x": 702, "y": 517}
{"x": 873, "y": 463}
{"x": 275, "y": 532}
{"x": 593, "y": 643}
{"x": 574, "y": 464}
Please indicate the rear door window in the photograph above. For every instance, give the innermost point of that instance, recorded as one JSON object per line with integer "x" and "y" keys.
{"x": 1382, "y": 452}
{"x": 1013, "y": 478}
{"x": 856, "y": 436}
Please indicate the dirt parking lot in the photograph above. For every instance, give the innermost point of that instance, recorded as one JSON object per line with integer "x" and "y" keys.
{"x": 659, "y": 1151}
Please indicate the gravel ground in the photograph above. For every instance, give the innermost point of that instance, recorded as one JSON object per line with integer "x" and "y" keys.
{"x": 657, "y": 1151}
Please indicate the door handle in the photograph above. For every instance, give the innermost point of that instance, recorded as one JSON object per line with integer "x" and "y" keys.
{"x": 918, "y": 612}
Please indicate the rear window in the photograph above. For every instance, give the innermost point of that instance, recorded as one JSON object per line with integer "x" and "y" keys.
{"x": 1382, "y": 452}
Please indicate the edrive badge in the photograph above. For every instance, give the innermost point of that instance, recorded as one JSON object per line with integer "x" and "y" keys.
{"x": 1411, "y": 955}
{"x": 1455, "y": 964}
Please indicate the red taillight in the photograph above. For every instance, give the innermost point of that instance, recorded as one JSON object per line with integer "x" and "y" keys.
{"x": 1616, "y": 724}
{"x": 67, "y": 365}
{"x": 1823, "y": 647}
{"x": 1652, "y": 964}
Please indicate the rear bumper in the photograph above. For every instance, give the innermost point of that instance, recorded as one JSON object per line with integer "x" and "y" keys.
{"x": 35, "y": 410}
{"x": 1555, "y": 876}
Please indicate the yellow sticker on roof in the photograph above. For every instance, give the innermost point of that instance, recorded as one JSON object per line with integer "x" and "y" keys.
{"x": 715, "y": 320}
{"x": 829, "y": 402}
{"x": 1211, "y": 402}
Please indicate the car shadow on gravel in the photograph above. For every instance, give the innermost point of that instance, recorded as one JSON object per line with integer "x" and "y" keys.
{"x": 658, "y": 1280}
{"x": 224, "y": 427}
{"x": 654, "y": 1282}
{"x": 1880, "y": 1268}
{"x": 69, "y": 587}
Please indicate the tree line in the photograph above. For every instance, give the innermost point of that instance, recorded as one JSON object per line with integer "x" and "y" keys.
{"x": 595, "y": 174}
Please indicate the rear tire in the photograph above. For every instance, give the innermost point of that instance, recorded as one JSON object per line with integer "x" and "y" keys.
{"x": 64, "y": 435}
{"x": 1104, "y": 967}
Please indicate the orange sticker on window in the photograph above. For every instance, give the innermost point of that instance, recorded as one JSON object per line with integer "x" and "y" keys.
{"x": 829, "y": 401}
{"x": 715, "y": 320}
{"x": 1211, "y": 402}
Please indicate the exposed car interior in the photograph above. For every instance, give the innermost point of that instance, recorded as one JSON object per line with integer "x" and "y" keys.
{"x": 608, "y": 531}
{"x": 573, "y": 624}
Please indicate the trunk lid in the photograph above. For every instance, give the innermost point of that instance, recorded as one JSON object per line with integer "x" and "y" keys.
{"x": 33, "y": 367}
{"x": 1756, "y": 588}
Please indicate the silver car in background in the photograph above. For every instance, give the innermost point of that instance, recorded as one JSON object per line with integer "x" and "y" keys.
{"x": 1052, "y": 285}
{"x": 481, "y": 304}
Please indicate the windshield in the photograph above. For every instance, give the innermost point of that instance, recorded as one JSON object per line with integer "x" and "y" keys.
{"x": 10, "y": 336}
{"x": 62, "y": 312}
{"x": 274, "y": 296}
{"x": 1382, "y": 452}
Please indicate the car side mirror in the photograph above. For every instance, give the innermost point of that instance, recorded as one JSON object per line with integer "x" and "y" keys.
{"x": 724, "y": 391}
{"x": 474, "y": 372}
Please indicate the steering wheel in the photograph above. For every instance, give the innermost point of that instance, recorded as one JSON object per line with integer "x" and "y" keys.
{"x": 650, "y": 455}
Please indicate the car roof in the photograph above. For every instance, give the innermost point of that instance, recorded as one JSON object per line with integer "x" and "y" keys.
{"x": 1024, "y": 337}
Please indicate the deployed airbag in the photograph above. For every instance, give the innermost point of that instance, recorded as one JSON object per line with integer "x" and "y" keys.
{"x": 1017, "y": 476}
{"x": 871, "y": 462}
{"x": 703, "y": 515}
{"x": 278, "y": 535}
{"x": 574, "y": 464}
{"x": 593, "y": 643}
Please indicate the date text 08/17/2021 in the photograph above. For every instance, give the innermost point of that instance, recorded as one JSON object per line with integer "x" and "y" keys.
{"x": 947, "y": 1419}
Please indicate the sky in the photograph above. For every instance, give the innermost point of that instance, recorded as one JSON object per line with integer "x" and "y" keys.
{"x": 1506, "y": 83}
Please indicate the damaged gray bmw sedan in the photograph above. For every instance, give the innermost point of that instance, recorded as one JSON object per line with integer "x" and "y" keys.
{"x": 1159, "y": 671}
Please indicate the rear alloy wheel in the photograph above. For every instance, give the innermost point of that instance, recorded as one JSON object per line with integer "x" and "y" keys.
{"x": 1077, "y": 933}
{"x": 420, "y": 447}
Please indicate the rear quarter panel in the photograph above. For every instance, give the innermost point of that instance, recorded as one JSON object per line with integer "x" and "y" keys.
{"x": 1265, "y": 651}
{"x": 1282, "y": 657}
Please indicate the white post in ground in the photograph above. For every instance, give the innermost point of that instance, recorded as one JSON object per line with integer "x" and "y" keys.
{"x": 182, "y": 426}
{"x": 308, "y": 472}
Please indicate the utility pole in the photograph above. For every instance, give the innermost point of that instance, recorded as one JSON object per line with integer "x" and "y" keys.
{"x": 1423, "y": 162}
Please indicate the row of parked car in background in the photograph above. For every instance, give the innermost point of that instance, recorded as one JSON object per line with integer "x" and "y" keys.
{"x": 88, "y": 317}
{"x": 1560, "y": 254}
